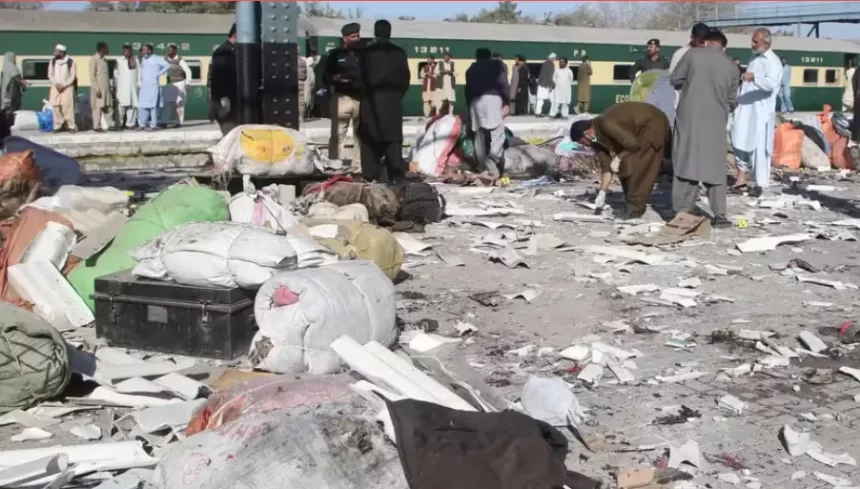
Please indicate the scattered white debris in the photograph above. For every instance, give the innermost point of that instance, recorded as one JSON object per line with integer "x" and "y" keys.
{"x": 837, "y": 482}
{"x": 729, "y": 478}
{"x": 817, "y": 453}
{"x": 682, "y": 377}
{"x": 622, "y": 374}
{"x": 796, "y": 443}
{"x": 827, "y": 283}
{"x": 690, "y": 283}
{"x": 853, "y": 372}
{"x": 686, "y": 453}
{"x": 87, "y": 432}
{"x": 798, "y": 475}
{"x": 769, "y": 243}
{"x": 732, "y": 403}
{"x": 591, "y": 373}
{"x": 527, "y": 295}
{"x": 682, "y": 297}
{"x": 638, "y": 289}
{"x": 464, "y": 329}
{"x": 32, "y": 434}
{"x": 812, "y": 342}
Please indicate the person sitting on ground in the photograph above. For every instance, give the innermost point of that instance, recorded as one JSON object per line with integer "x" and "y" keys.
{"x": 629, "y": 139}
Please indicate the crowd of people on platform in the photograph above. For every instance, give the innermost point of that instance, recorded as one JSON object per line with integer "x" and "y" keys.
{"x": 131, "y": 97}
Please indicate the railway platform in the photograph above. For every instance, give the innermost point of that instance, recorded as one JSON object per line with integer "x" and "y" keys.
{"x": 185, "y": 147}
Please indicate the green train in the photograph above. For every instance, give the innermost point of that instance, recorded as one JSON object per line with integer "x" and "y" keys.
{"x": 818, "y": 65}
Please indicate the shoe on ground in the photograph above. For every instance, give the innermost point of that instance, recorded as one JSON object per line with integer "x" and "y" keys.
{"x": 755, "y": 192}
{"x": 721, "y": 222}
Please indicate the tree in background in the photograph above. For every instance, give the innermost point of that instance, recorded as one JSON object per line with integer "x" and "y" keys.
{"x": 308, "y": 8}
{"x": 22, "y": 5}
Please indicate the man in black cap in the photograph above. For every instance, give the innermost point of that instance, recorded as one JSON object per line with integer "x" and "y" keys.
{"x": 651, "y": 61}
{"x": 384, "y": 81}
{"x": 343, "y": 77}
{"x": 222, "y": 84}
{"x": 698, "y": 34}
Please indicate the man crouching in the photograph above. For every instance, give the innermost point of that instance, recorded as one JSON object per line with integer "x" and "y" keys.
{"x": 629, "y": 139}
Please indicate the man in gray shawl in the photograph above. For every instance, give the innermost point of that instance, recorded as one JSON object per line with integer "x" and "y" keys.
{"x": 545, "y": 84}
{"x": 708, "y": 80}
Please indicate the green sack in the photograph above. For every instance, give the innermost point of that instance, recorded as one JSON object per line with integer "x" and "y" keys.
{"x": 176, "y": 205}
{"x": 466, "y": 143}
{"x": 34, "y": 359}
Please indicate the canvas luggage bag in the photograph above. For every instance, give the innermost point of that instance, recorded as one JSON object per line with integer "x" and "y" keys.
{"x": 420, "y": 203}
{"x": 34, "y": 360}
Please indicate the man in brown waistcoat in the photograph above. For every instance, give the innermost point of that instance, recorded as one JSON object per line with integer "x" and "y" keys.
{"x": 175, "y": 92}
{"x": 429, "y": 81}
{"x": 630, "y": 139}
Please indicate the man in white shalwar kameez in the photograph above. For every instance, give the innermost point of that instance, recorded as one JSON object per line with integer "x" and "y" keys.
{"x": 561, "y": 97}
{"x": 753, "y": 125}
{"x": 126, "y": 76}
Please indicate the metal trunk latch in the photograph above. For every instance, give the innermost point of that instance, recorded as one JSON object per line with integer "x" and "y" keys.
{"x": 204, "y": 314}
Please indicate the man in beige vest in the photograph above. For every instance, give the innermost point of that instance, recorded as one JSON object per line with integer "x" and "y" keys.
{"x": 61, "y": 73}
{"x": 101, "y": 98}
{"x": 175, "y": 92}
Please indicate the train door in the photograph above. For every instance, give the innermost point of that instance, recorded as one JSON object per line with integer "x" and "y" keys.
{"x": 850, "y": 60}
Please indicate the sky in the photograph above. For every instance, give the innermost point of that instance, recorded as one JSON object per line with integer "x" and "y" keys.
{"x": 439, "y": 10}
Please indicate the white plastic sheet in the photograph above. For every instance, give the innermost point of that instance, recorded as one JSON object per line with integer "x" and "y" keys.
{"x": 352, "y": 298}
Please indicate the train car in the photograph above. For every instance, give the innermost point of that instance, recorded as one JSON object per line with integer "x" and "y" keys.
{"x": 32, "y": 35}
{"x": 818, "y": 65}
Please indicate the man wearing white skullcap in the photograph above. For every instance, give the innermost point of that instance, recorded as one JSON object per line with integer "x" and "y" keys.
{"x": 545, "y": 84}
{"x": 61, "y": 73}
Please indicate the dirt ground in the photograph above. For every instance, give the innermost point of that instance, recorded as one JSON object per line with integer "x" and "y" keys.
{"x": 578, "y": 297}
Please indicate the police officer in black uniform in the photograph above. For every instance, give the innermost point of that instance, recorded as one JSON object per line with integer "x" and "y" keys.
{"x": 342, "y": 76}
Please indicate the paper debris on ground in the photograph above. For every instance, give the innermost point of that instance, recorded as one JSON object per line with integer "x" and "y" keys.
{"x": 835, "y": 481}
{"x": 626, "y": 254}
{"x": 827, "y": 283}
{"x": 464, "y": 329}
{"x": 796, "y": 443}
{"x": 591, "y": 373}
{"x": 638, "y": 289}
{"x": 412, "y": 245}
{"x": 812, "y": 342}
{"x": 527, "y": 295}
{"x": 686, "y": 453}
{"x": 817, "y": 453}
{"x": 509, "y": 258}
{"x": 456, "y": 211}
{"x": 87, "y": 432}
{"x": 769, "y": 243}
{"x": 579, "y": 217}
{"x": 32, "y": 434}
{"x": 732, "y": 404}
{"x": 622, "y": 374}
{"x": 680, "y": 377}
{"x": 853, "y": 372}
{"x": 682, "y": 297}
{"x": 450, "y": 260}
{"x": 729, "y": 478}
{"x": 690, "y": 283}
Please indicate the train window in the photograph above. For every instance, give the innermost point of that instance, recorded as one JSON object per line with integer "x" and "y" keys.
{"x": 111, "y": 67}
{"x": 810, "y": 75}
{"x": 830, "y": 76}
{"x": 194, "y": 66}
{"x": 575, "y": 70}
{"x": 35, "y": 69}
{"x": 621, "y": 73}
{"x": 534, "y": 70}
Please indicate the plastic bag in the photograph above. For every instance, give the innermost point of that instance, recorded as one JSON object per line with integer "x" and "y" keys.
{"x": 352, "y": 298}
{"x": 263, "y": 150}
{"x": 787, "y": 146}
{"x": 551, "y": 401}
{"x": 224, "y": 254}
{"x": 45, "y": 119}
{"x": 267, "y": 394}
{"x": 332, "y": 446}
{"x": 813, "y": 157}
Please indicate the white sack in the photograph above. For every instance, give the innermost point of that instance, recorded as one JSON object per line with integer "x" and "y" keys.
{"x": 263, "y": 150}
{"x": 813, "y": 157}
{"x": 224, "y": 254}
{"x": 260, "y": 210}
{"x": 352, "y": 298}
{"x": 437, "y": 142}
{"x": 25, "y": 120}
{"x": 73, "y": 197}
